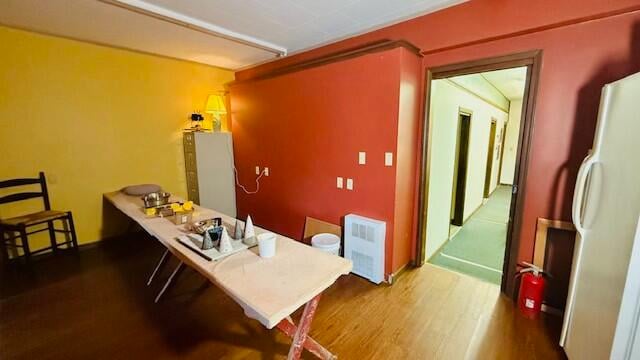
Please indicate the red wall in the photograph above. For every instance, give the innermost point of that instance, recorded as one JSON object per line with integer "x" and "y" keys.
{"x": 407, "y": 172}
{"x": 577, "y": 61}
{"x": 585, "y": 43}
{"x": 308, "y": 128}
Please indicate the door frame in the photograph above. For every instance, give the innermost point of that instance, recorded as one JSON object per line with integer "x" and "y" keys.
{"x": 493, "y": 128}
{"x": 533, "y": 61}
{"x": 503, "y": 135}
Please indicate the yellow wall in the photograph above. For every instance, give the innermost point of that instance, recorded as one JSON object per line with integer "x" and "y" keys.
{"x": 94, "y": 119}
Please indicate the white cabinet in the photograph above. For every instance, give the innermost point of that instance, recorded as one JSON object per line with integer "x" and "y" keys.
{"x": 208, "y": 159}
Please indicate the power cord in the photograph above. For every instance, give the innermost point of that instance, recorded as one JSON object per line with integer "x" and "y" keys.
{"x": 242, "y": 186}
{"x": 235, "y": 172}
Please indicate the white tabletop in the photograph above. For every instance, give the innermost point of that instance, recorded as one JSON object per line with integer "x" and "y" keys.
{"x": 268, "y": 290}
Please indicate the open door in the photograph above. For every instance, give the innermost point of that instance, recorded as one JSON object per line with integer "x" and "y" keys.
{"x": 460, "y": 169}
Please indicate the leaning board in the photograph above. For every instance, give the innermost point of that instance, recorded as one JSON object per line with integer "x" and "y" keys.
{"x": 269, "y": 290}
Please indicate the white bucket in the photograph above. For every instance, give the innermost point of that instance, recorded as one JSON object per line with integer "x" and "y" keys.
{"x": 329, "y": 243}
{"x": 267, "y": 244}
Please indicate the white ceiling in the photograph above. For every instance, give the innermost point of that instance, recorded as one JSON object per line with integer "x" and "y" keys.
{"x": 294, "y": 25}
{"x": 510, "y": 82}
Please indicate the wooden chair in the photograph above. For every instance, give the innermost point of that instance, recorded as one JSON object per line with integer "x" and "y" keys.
{"x": 16, "y": 227}
{"x": 314, "y": 226}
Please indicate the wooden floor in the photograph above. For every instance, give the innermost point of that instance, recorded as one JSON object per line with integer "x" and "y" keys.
{"x": 95, "y": 305}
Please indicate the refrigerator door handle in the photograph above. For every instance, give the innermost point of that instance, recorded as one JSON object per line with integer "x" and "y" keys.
{"x": 578, "y": 194}
{"x": 576, "y": 214}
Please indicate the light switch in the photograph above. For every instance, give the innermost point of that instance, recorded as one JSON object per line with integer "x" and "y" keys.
{"x": 362, "y": 158}
{"x": 257, "y": 170}
{"x": 349, "y": 184}
{"x": 388, "y": 159}
{"x": 339, "y": 181}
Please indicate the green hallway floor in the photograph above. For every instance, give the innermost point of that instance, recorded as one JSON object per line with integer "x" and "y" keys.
{"x": 477, "y": 248}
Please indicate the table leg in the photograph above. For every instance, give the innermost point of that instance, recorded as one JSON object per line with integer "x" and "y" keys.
{"x": 169, "y": 280}
{"x": 158, "y": 268}
{"x": 300, "y": 334}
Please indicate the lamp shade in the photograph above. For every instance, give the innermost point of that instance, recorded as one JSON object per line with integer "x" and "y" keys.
{"x": 215, "y": 105}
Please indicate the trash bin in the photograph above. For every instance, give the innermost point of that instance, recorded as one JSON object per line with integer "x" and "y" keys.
{"x": 326, "y": 242}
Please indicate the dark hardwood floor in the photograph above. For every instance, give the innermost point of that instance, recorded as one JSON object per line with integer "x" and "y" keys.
{"x": 95, "y": 305}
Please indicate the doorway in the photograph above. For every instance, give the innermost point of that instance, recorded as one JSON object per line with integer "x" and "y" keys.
{"x": 460, "y": 168}
{"x": 500, "y": 185}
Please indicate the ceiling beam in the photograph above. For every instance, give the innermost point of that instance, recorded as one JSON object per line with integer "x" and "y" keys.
{"x": 189, "y": 22}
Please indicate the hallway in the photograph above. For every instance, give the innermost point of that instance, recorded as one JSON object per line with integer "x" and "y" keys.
{"x": 477, "y": 248}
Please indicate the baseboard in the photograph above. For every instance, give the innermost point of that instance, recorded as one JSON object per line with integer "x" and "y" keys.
{"x": 393, "y": 276}
{"x": 81, "y": 246}
{"x": 439, "y": 248}
{"x": 472, "y": 213}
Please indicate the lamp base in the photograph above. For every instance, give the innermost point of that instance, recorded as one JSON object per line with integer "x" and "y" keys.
{"x": 217, "y": 125}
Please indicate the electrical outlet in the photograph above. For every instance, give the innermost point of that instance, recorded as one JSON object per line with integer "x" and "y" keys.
{"x": 266, "y": 171}
{"x": 362, "y": 158}
{"x": 339, "y": 183}
{"x": 257, "y": 170}
{"x": 388, "y": 159}
{"x": 349, "y": 184}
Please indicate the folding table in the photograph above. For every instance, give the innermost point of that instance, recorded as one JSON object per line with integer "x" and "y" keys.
{"x": 268, "y": 290}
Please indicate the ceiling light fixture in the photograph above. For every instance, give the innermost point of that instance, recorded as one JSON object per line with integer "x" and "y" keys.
{"x": 177, "y": 18}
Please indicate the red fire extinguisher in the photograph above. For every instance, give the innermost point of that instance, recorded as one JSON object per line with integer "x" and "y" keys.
{"x": 532, "y": 287}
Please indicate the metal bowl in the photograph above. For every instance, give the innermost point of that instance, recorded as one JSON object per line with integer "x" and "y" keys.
{"x": 156, "y": 199}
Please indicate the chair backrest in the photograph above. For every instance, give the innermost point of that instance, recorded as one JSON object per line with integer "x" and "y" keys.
{"x": 26, "y": 195}
{"x": 314, "y": 226}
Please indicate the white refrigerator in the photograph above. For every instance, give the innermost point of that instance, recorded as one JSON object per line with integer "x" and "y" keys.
{"x": 603, "y": 304}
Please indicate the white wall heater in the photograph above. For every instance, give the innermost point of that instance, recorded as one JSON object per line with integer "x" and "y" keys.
{"x": 364, "y": 245}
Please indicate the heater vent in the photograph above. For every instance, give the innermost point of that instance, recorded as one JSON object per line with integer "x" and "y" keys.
{"x": 362, "y": 263}
{"x": 363, "y": 231}
{"x": 364, "y": 245}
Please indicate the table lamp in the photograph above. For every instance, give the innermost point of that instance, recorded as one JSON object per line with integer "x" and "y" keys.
{"x": 215, "y": 107}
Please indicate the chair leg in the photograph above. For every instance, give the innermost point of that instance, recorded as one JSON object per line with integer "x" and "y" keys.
{"x": 72, "y": 228}
{"x": 3, "y": 248}
{"x": 52, "y": 237}
{"x": 25, "y": 244}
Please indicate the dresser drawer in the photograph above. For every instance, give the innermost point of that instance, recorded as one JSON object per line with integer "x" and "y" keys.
{"x": 189, "y": 139}
{"x": 194, "y": 196}
{"x": 190, "y": 161}
{"x": 192, "y": 178}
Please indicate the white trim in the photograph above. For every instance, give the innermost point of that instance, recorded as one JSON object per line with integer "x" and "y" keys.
{"x": 177, "y": 18}
{"x": 491, "y": 221}
{"x": 470, "y": 262}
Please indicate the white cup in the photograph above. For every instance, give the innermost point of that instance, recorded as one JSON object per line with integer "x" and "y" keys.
{"x": 267, "y": 244}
